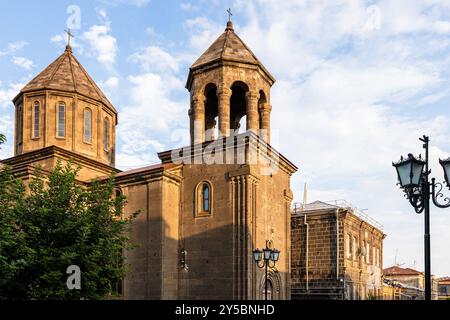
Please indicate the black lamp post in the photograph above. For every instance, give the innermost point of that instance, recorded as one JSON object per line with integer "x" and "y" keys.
{"x": 266, "y": 258}
{"x": 413, "y": 175}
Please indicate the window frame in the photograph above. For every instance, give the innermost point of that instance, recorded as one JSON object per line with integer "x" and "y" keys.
{"x": 367, "y": 252}
{"x": 36, "y": 120}
{"x": 199, "y": 200}
{"x": 59, "y": 105}
{"x": 349, "y": 246}
{"x": 87, "y": 110}
{"x": 106, "y": 134}
{"x": 20, "y": 118}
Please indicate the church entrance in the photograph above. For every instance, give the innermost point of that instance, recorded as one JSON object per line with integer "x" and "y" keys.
{"x": 269, "y": 291}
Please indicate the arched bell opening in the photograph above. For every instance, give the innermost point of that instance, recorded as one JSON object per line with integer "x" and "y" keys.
{"x": 238, "y": 105}
{"x": 211, "y": 112}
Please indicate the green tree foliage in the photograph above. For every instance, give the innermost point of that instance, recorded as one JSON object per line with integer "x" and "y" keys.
{"x": 54, "y": 223}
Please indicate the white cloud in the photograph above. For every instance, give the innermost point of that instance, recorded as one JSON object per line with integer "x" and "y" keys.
{"x": 8, "y": 93}
{"x": 202, "y": 32}
{"x": 102, "y": 44}
{"x": 24, "y": 63}
{"x": 109, "y": 86}
{"x": 112, "y": 82}
{"x": 13, "y": 47}
{"x": 147, "y": 123}
{"x": 154, "y": 58}
{"x": 186, "y": 6}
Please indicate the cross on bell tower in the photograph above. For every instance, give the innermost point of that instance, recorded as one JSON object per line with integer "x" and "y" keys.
{"x": 229, "y": 14}
{"x": 69, "y": 35}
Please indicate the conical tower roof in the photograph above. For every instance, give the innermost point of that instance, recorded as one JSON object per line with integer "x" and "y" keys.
{"x": 67, "y": 74}
{"x": 228, "y": 47}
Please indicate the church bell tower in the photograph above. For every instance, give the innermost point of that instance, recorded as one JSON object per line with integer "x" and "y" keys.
{"x": 228, "y": 84}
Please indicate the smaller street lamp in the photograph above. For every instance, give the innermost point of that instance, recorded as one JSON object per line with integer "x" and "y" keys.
{"x": 266, "y": 258}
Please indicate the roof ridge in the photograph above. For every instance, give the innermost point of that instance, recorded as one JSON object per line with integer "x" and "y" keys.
{"x": 94, "y": 85}
{"x": 71, "y": 71}
{"x": 61, "y": 57}
{"x": 227, "y": 34}
{"x": 246, "y": 47}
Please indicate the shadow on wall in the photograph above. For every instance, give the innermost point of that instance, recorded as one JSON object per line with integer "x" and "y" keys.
{"x": 210, "y": 269}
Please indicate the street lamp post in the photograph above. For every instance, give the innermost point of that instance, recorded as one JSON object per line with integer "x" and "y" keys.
{"x": 266, "y": 258}
{"x": 413, "y": 175}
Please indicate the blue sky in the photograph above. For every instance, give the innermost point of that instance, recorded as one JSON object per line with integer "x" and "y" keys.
{"x": 358, "y": 82}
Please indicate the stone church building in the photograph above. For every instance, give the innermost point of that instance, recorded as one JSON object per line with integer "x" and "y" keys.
{"x": 204, "y": 208}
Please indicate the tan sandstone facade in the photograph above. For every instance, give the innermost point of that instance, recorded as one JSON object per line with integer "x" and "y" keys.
{"x": 336, "y": 253}
{"x": 199, "y": 219}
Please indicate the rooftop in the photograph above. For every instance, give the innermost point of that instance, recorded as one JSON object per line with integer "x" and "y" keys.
{"x": 228, "y": 47}
{"x": 298, "y": 208}
{"x": 399, "y": 271}
{"x": 67, "y": 74}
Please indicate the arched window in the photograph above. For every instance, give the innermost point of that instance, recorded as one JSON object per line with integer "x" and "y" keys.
{"x": 203, "y": 205}
{"x": 36, "y": 119}
{"x": 205, "y": 197}
{"x": 87, "y": 125}
{"x": 61, "y": 130}
{"x": 106, "y": 134}
{"x": 238, "y": 105}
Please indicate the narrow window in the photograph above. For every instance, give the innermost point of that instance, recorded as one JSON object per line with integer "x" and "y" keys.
{"x": 36, "y": 120}
{"x": 206, "y": 198}
{"x": 61, "y": 120}
{"x": 349, "y": 247}
{"x": 87, "y": 125}
{"x": 20, "y": 124}
{"x": 203, "y": 200}
{"x": 378, "y": 257}
{"x": 106, "y": 134}
{"x": 374, "y": 256}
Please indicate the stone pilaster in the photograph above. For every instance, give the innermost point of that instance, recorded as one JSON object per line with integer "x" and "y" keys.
{"x": 244, "y": 189}
{"x": 198, "y": 104}
{"x": 191, "y": 123}
{"x": 265, "y": 122}
{"x": 224, "y": 97}
{"x": 210, "y": 124}
{"x": 252, "y": 112}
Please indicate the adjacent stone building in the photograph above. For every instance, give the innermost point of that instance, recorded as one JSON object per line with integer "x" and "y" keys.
{"x": 205, "y": 207}
{"x": 336, "y": 252}
{"x": 444, "y": 288}
{"x": 410, "y": 283}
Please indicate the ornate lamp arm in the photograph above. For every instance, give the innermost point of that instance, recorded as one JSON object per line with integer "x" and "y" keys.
{"x": 261, "y": 265}
{"x": 415, "y": 198}
{"x": 271, "y": 265}
{"x": 436, "y": 194}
